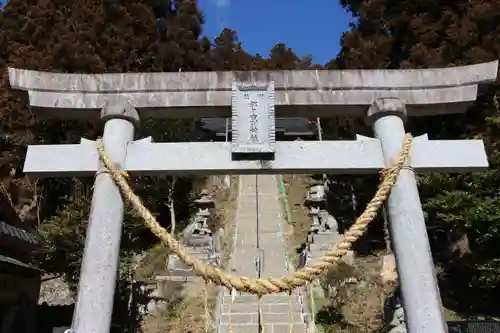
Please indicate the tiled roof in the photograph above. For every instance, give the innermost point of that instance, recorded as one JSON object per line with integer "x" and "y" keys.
{"x": 16, "y": 262}
{"x": 288, "y": 125}
{"x": 19, "y": 233}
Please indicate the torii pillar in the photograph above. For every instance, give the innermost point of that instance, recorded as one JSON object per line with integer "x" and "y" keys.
{"x": 417, "y": 276}
{"x": 102, "y": 242}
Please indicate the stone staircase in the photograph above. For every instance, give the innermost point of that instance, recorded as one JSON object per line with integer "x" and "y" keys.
{"x": 178, "y": 272}
{"x": 178, "y": 276}
{"x": 323, "y": 234}
{"x": 321, "y": 243}
{"x": 278, "y": 313}
{"x": 199, "y": 242}
{"x": 239, "y": 313}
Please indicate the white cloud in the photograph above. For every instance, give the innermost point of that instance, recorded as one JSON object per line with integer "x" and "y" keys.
{"x": 222, "y": 12}
{"x": 223, "y": 3}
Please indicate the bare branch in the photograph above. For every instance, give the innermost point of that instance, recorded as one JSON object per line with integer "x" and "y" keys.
{"x": 26, "y": 209}
{"x": 171, "y": 206}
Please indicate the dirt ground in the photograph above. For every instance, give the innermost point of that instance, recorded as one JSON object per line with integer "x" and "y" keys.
{"x": 356, "y": 302}
{"x": 188, "y": 315}
{"x": 357, "y": 293}
{"x": 296, "y": 233}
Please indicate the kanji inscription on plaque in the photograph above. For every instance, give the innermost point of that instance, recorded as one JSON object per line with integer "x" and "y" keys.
{"x": 253, "y": 121}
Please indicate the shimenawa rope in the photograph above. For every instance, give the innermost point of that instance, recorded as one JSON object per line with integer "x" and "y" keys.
{"x": 261, "y": 286}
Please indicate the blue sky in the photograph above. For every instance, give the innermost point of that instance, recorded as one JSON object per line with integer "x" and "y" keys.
{"x": 313, "y": 27}
{"x": 308, "y": 28}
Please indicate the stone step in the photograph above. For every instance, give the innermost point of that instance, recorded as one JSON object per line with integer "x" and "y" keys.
{"x": 198, "y": 248}
{"x": 267, "y": 318}
{"x": 348, "y": 258}
{"x": 276, "y": 309}
{"x": 295, "y": 293}
{"x": 268, "y": 328}
{"x": 178, "y": 277}
{"x": 177, "y": 263}
{"x": 199, "y": 252}
{"x": 326, "y": 238}
{"x": 180, "y": 272}
{"x": 314, "y": 248}
{"x": 322, "y": 246}
{"x": 269, "y": 299}
{"x": 265, "y": 307}
{"x": 184, "y": 279}
{"x": 207, "y": 260}
{"x": 163, "y": 278}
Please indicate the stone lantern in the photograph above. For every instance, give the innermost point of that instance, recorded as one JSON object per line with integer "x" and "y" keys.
{"x": 316, "y": 201}
{"x": 204, "y": 205}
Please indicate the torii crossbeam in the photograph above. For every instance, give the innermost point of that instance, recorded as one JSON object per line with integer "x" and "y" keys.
{"x": 253, "y": 99}
{"x": 363, "y": 156}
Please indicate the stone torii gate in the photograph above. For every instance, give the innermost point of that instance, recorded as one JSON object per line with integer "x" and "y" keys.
{"x": 253, "y": 99}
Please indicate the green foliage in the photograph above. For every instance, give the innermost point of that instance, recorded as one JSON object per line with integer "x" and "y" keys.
{"x": 92, "y": 37}
{"x": 462, "y": 210}
{"x": 84, "y": 36}
{"x": 63, "y": 236}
